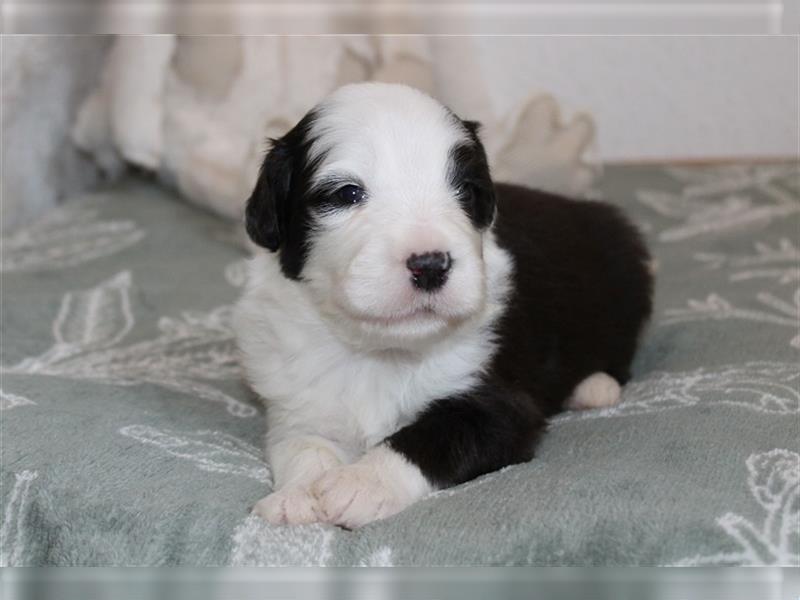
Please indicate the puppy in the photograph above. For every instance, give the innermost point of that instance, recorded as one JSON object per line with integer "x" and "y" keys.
{"x": 411, "y": 325}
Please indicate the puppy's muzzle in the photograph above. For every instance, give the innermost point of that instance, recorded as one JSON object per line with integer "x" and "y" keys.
{"x": 429, "y": 271}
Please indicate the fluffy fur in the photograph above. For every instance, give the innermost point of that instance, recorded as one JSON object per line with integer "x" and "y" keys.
{"x": 387, "y": 375}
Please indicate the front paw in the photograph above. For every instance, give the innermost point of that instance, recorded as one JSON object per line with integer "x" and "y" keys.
{"x": 354, "y": 495}
{"x": 292, "y": 505}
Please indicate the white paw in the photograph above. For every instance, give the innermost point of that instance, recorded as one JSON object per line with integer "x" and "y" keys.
{"x": 354, "y": 495}
{"x": 379, "y": 485}
{"x": 292, "y": 505}
{"x": 596, "y": 391}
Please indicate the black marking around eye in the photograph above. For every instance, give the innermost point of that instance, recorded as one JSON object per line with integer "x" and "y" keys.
{"x": 470, "y": 178}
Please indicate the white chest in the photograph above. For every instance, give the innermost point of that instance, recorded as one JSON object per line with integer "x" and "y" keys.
{"x": 313, "y": 382}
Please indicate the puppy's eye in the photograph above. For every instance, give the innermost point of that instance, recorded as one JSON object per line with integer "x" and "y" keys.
{"x": 351, "y": 194}
{"x": 467, "y": 194}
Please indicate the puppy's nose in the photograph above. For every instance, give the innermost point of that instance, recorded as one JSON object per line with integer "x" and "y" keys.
{"x": 429, "y": 270}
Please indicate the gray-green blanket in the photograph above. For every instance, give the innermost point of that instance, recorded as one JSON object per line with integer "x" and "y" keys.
{"x": 128, "y": 439}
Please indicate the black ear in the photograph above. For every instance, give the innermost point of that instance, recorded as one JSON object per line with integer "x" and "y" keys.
{"x": 473, "y": 127}
{"x": 267, "y": 209}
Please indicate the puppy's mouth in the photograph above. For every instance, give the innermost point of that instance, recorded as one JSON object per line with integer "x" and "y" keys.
{"x": 424, "y": 313}
{"x": 417, "y": 315}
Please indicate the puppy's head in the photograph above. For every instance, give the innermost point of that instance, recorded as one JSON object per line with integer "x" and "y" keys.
{"x": 377, "y": 201}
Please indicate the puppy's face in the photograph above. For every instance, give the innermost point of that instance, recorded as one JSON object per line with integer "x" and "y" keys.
{"x": 377, "y": 201}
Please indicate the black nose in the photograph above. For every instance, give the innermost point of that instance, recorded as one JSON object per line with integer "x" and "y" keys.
{"x": 429, "y": 270}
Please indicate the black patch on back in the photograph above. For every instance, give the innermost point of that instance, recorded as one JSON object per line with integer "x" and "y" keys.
{"x": 582, "y": 293}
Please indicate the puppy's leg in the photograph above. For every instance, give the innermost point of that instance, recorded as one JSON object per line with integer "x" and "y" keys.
{"x": 296, "y": 461}
{"x": 598, "y": 390}
{"x": 450, "y": 442}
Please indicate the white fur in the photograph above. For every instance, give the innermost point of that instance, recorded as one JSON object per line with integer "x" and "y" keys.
{"x": 353, "y": 351}
{"x": 598, "y": 390}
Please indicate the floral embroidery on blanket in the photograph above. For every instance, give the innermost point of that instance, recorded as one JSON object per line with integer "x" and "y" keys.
{"x": 766, "y": 387}
{"x": 722, "y": 200}
{"x": 212, "y": 451}
{"x": 189, "y": 352}
{"x": 774, "y": 311}
{"x": 9, "y": 400}
{"x": 12, "y": 531}
{"x": 66, "y": 237}
{"x": 774, "y": 481}
{"x": 780, "y": 262}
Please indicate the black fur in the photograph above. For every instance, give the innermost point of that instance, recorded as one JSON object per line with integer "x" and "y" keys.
{"x": 459, "y": 438}
{"x": 469, "y": 176}
{"x": 582, "y": 293}
{"x": 278, "y": 215}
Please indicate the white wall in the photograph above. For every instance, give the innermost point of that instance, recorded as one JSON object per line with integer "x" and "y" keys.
{"x": 660, "y": 97}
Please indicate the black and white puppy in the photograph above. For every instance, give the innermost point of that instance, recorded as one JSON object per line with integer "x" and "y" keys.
{"x": 413, "y": 325}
